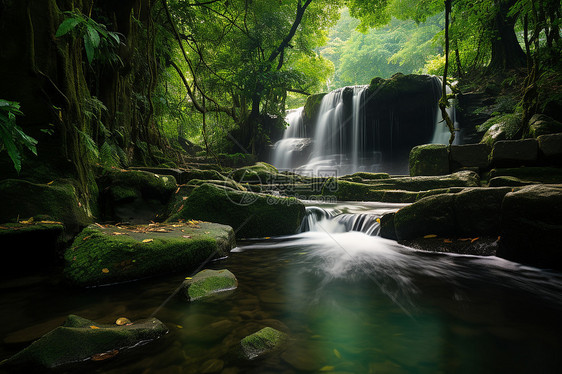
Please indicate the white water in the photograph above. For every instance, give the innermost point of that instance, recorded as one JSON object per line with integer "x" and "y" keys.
{"x": 294, "y": 138}
{"x": 441, "y": 134}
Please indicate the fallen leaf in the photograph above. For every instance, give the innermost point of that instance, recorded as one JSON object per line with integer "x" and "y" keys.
{"x": 464, "y": 239}
{"x": 188, "y": 278}
{"x": 499, "y": 238}
{"x": 184, "y": 198}
{"x": 122, "y": 321}
{"x": 178, "y": 190}
{"x": 186, "y": 236}
{"x": 100, "y": 226}
{"x": 28, "y": 222}
{"x": 430, "y": 236}
{"x": 147, "y": 240}
{"x": 327, "y": 368}
{"x": 94, "y": 327}
{"x": 447, "y": 241}
{"x": 105, "y": 270}
{"x": 180, "y": 208}
{"x": 378, "y": 220}
{"x": 50, "y": 222}
{"x": 207, "y": 232}
{"x": 119, "y": 233}
{"x": 475, "y": 239}
{"x": 86, "y": 238}
{"x": 179, "y": 326}
{"x": 51, "y": 182}
{"x": 267, "y": 237}
{"x": 337, "y": 353}
{"x": 105, "y": 355}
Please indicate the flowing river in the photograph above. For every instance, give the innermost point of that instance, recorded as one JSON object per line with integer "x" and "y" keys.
{"x": 351, "y": 302}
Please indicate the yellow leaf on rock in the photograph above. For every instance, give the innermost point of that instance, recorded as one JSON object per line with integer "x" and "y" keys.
{"x": 378, "y": 220}
{"x": 188, "y": 278}
{"x": 51, "y": 182}
{"x": 430, "y": 236}
{"x": 475, "y": 239}
{"x": 122, "y": 321}
{"x": 94, "y": 327}
{"x": 447, "y": 241}
{"x": 147, "y": 240}
{"x": 105, "y": 270}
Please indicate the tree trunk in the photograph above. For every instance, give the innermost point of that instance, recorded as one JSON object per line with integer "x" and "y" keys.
{"x": 506, "y": 51}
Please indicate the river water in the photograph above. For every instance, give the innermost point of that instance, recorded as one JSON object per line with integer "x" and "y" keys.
{"x": 350, "y": 302}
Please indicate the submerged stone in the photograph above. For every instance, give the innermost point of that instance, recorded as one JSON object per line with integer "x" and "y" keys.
{"x": 261, "y": 343}
{"x": 208, "y": 283}
{"x": 252, "y": 215}
{"x": 79, "y": 339}
{"x": 110, "y": 254}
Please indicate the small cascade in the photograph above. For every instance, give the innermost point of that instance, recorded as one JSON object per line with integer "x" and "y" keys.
{"x": 333, "y": 221}
{"x": 294, "y": 140}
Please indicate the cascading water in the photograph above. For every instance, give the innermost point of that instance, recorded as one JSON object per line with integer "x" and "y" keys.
{"x": 441, "y": 134}
{"x": 364, "y": 128}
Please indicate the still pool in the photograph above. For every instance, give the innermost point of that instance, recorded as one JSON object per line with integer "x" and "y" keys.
{"x": 351, "y": 303}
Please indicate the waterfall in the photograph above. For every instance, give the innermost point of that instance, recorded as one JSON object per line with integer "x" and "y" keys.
{"x": 333, "y": 221}
{"x": 294, "y": 139}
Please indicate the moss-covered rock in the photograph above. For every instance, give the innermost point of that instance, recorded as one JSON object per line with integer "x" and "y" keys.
{"x": 469, "y": 155}
{"x": 58, "y": 200}
{"x": 250, "y": 214}
{"x": 429, "y": 159}
{"x": 541, "y": 124}
{"x": 471, "y": 212}
{"x": 362, "y": 176}
{"x": 134, "y": 196}
{"x": 513, "y": 153}
{"x": 262, "y": 342}
{"x": 197, "y": 174}
{"x": 312, "y": 107}
{"x": 79, "y": 339}
{"x": 531, "y": 226}
{"x": 208, "y": 283}
{"x": 109, "y": 254}
{"x": 550, "y": 148}
{"x": 388, "y": 230}
{"x": 507, "y": 181}
{"x": 260, "y": 173}
{"x": 539, "y": 174}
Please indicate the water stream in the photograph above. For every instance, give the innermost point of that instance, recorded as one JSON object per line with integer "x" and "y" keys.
{"x": 351, "y": 302}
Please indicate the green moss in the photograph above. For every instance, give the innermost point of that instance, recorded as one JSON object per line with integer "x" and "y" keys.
{"x": 312, "y": 106}
{"x": 208, "y": 282}
{"x": 109, "y": 254}
{"x": 78, "y": 341}
{"x": 538, "y": 174}
{"x": 360, "y": 176}
{"x": 198, "y": 174}
{"x": 429, "y": 159}
{"x": 250, "y": 214}
{"x": 260, "y": 173}
{"x": 262, "y": 342}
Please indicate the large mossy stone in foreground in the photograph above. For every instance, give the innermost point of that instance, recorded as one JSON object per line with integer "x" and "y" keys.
{"x": 429, "y": 159}
{"x": 261, "y": 343}
{"x": 252, "y": 215}
{"x": 531, "y": 226}
{"x": 259, "y": 173}
{"x": 209, "y": 283}
{"x": 110, "y": 254}
{"x": 59, "y": 201}
{"x": 433, "y": 215}
{"x": 79, "y": 339}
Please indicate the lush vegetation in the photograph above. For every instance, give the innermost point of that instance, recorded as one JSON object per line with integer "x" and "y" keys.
{"x": 142, "y": 83}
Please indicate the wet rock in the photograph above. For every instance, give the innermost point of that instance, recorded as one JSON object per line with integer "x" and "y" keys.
{"x": 507, "y": 153}
{"x": 507, "y": 181}
{"x": 495, "y": 133}
{"x": 469, "y": 155}
{"x": 208, "y": 283}
{"x": 471, "y": 212}
{"x": 261, "y": 343}
{"x": 387, "y": 226}
{"x": 531, "y": 226}
{"x": 429, "y": 159}
{"x": 250, "y": 214}
{"x": 134, "y": 196}
{"x": 550, "y": 148}
{"x": 541, "y": 124}
{"x": 110, "y": 254}
{"x": 79, "y": 339}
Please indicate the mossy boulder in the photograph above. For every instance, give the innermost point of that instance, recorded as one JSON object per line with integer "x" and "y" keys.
{"x": 388, "y": 230}
{"x": 538, "y": 174}
{"x": 197, "y": 174}
{"x": 531, "y": 226}
{"x": 362, "y": 176}
{"x": 507, "y": 181}
{"x": 110, "y": 254}
{"x": 471, "y": 212}
{"x": 208, "y": 284}
{"x": 79, "y": 339}
{"x": 550, "y": 148}
{"x": 429, "y": 159}
{"x": 260, "y": 173}
{"x": 469, "y": 155}
{"x": 252, "y": 215}
{"x": 312, "y": 107}
{"x": 262, "y": 342}
{"x": 58, "y": 200}
{"x": 30, "y": 246}
{"x": 541, "y": 124}
{"x": 134, "y": 196}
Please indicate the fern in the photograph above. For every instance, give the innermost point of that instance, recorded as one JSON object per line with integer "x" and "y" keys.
{"x": 12, "y": 136}
{"x": 90, "y": 148}
{"x": 109, "y": 155}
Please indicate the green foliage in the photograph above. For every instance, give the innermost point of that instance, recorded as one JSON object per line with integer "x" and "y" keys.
{"x": 99, "y": 43}
{"x": 12, "y": 136}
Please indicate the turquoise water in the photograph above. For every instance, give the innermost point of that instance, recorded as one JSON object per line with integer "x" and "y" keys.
{"x": 351, "y": 303}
